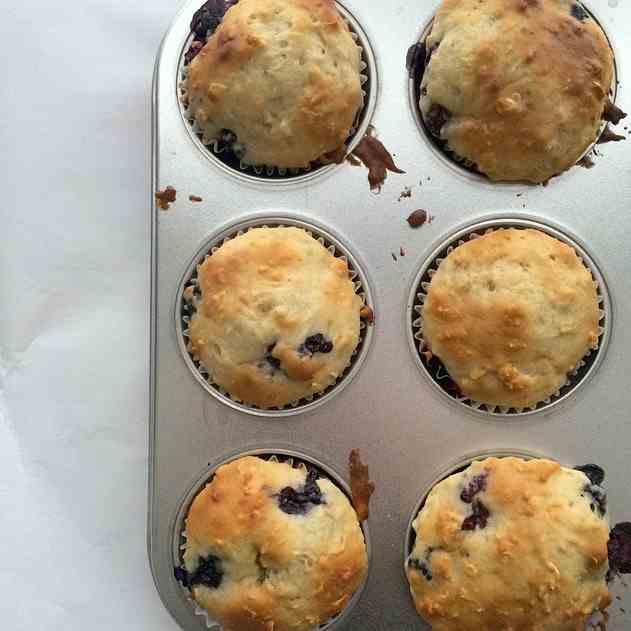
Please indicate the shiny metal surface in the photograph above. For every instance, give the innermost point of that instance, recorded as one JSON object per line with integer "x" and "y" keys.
{"x": 408, "y": 432}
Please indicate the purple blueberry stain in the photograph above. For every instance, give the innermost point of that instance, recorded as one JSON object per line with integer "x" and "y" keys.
{"x": 415, "y": 60}
{"x": 578, "y": 12}
{"x": 619, "y": 550}
{"x": 476, "y": 485}
{"x": 478, "y": 518}
{"x": 204, "y": 23}
{"x": 436, "y": 118}
{"x": 315, "y": 344}
{"x": 421, "y": 566}
{"x": 209, "y": 573}
{"x": 594, "y": 473}
{"x": 299, "y": 502}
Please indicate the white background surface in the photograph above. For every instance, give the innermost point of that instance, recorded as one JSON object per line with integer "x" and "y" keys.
{"x": 74, "y": 257}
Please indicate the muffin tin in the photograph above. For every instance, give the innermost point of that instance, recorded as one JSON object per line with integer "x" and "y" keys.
{"x": 408, "y": 430}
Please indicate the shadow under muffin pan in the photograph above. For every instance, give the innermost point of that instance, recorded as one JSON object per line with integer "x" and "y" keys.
{"x": 184, "y": 311}
{"x": 297, "y": 460}
{"x": 433, "y": 368}
{"x": 221, "y": 151}
{"x": 416, "y": 62}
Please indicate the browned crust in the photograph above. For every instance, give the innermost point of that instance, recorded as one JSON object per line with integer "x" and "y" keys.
{"x": 531, "y": 88}
{"x": 541, "y": 567}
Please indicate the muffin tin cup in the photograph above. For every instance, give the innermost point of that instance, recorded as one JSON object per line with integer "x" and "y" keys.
{"x": 296, "y": 459}
{"x": 462, "y": 166}
{"x": 595, "y": 622}
{"x": 433, "y": 368}
{"x": 184, "y": 310}
{"x": 278, "y": 175}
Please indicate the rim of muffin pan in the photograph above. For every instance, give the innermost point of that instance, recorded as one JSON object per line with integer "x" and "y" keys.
{"x": 230, "y": 165}
{"x": 297, "y": 459}
{"x": 456, "y": 467}
{"x": 434, "y": 370}
{"x": 465, "y": 167}
{"x": 336, "y": 246}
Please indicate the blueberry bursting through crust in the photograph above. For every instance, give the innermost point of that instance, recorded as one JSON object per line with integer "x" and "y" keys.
{"x": 598, "y": 496}
{"x": 208, "y": 573}
{"x": 479, "y": 512}
{"x": 313, "y": 344}
{"x": 295, "y": 502}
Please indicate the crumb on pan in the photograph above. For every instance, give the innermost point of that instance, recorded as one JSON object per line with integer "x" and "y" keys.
{"x": 361, "y": 486}
{"x": 165, "y": 197}
{"x": 376, "y": 158}
{"x": 394, "y": 256}
{"x": 418, "y": 218}
{"x": 195, "y": 198}
{"x": 401, "y": 251}
{"x": 405, "y": 193}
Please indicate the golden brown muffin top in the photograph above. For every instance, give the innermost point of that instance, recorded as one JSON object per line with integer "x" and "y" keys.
{"x": 286, "y": 570}
{"x": 510, "y": 544}
{"x": 284, "y": 76}
{"x": 279, "y": 318}
{"x": 510, "y": 314}
{"x": 521, "y": 83}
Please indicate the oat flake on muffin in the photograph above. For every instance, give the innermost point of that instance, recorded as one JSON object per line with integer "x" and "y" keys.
{"x": 278, "y": 319}
{"x": 511, "y": 544}
{"x": 510, "y": 314}
{"x": 270, "y": 546}
{"x": 279, "y": 77}
{"x": 516, "y": 87}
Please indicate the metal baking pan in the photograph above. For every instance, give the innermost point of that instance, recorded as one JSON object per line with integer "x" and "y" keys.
{"x": 409, "y": 430}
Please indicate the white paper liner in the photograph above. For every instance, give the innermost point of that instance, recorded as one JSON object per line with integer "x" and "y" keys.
{"x": 190, "y": 287}
{"x": 272, "y": 171}
{"x": 573, "y": 378}
{"x": 296, "y": 463}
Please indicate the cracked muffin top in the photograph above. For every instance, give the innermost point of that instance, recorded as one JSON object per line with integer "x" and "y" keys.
{"x": 511, "y": 544}
{"x": 516, "y": 87}
{"x": 269, "y": 546}
{"x": 510, "y": 314}
{"x": 283, "y": 76}
{"x": 278, "y": 319}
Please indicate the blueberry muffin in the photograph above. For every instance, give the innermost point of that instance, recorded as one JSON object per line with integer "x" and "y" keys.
{"x": 512, "y": 544}
{"x": 278, "y": 318}
{"x": 510, "y": 314}
{"x": 517, "y": 88}
{"x": 269, "y": 546}
{"x": 278, "y": 81}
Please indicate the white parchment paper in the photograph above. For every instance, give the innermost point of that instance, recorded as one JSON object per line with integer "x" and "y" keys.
{"x": 74, "y": 283}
